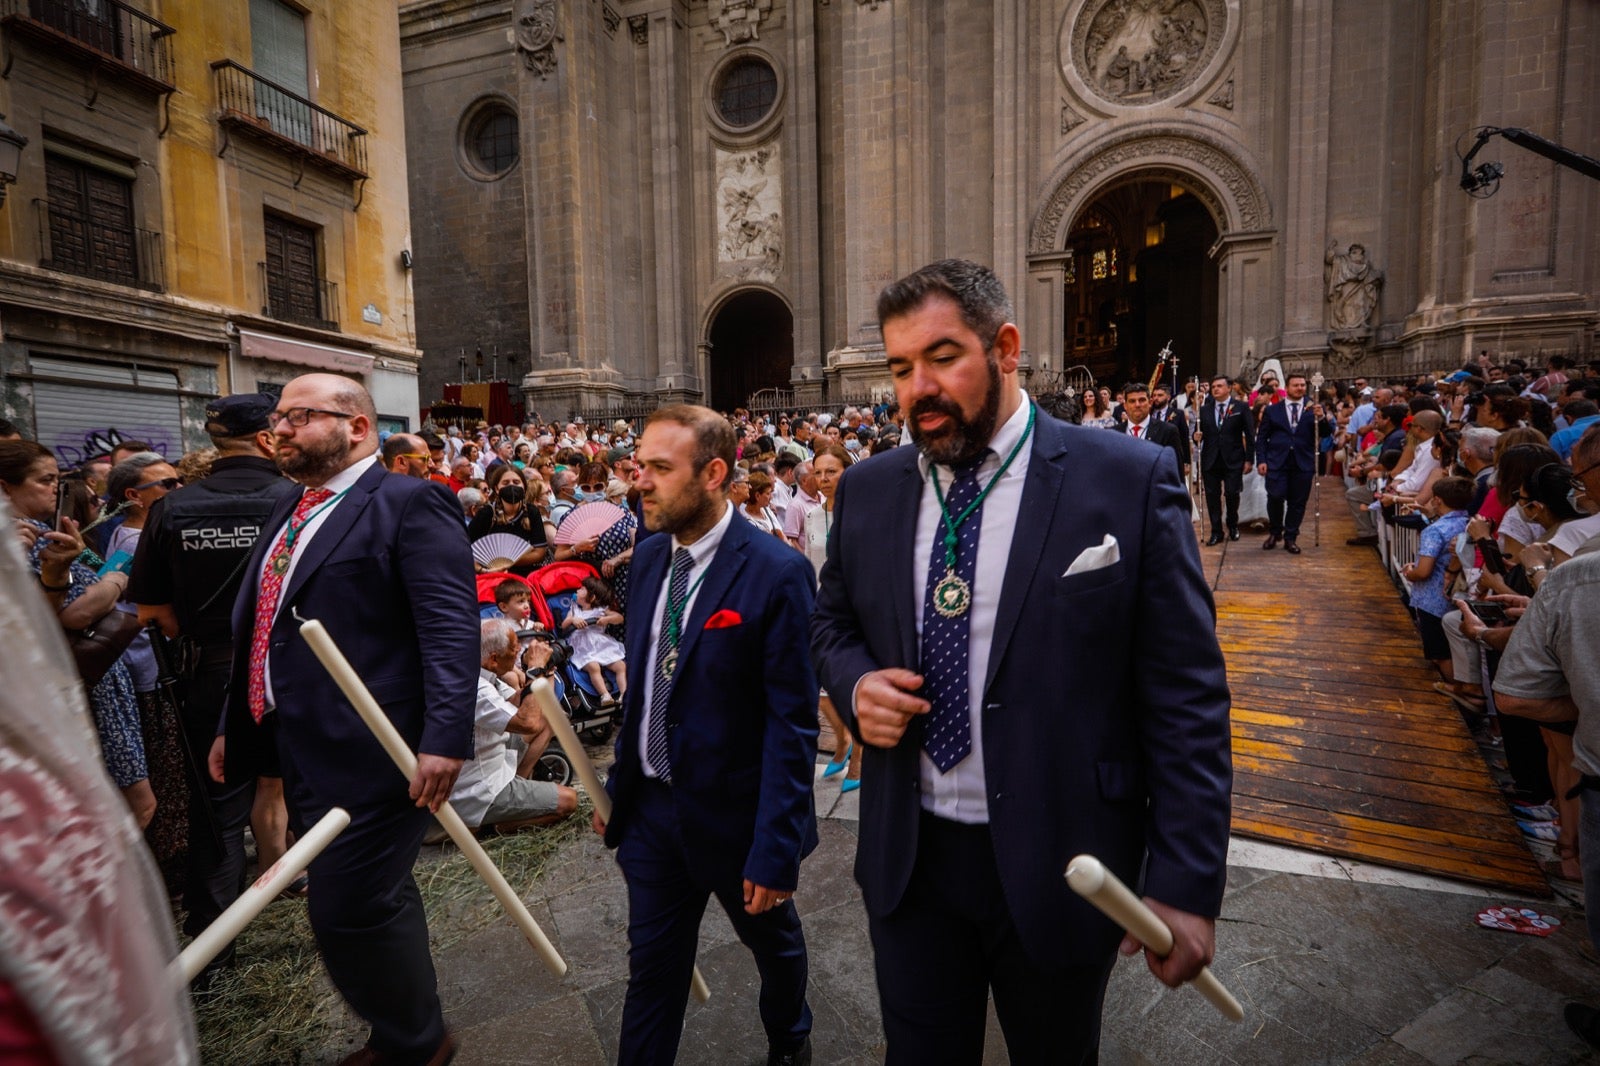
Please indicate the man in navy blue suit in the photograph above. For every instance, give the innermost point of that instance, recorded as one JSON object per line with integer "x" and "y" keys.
{"x": 717, "y": 751}
{"x": 1012, "y": 616}
{"x": 383, "y": 562}
{"x": 1286, "y": 455}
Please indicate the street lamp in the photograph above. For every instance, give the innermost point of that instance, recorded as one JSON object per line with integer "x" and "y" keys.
{"x": 11, "y": 145}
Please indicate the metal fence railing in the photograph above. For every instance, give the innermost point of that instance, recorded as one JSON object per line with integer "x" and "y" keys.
{"x": 255, "y": 104}
{"x": 303, "y": 301}
{"x": 77, "y": 244}
{"x": 109, "y": 27}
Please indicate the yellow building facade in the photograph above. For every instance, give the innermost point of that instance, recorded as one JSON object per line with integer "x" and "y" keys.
{"x": 212, "y": 198}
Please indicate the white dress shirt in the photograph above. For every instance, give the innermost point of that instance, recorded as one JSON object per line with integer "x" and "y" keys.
{"x": 1409, "y": 481}
{"x": 1142, "y": 427}
{"x": 494, "y": 762}
{"x": 961, "y": 795}
{"x": 701, "y": 553}
{"x": 337, "y": 484}
{"x": 781, "y": 495}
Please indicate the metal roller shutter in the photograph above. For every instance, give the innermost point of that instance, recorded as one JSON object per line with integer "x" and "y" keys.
{"x": 103, "y": 408}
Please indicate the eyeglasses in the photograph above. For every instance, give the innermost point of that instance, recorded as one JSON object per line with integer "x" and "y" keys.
{"x": 168, "y": 483}
{"x": 299, "y": 416}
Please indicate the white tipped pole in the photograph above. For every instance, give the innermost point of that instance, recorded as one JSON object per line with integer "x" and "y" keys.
{"x": 545, "y": 694}
{"x": 356, "y": 692}
{"x": 253, "y": 900}
{"x": 1090, "y": 879}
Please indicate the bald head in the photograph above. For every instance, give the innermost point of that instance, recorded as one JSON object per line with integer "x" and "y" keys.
{"x": 337, "y": 427}
{"x": 1427, "y": 423}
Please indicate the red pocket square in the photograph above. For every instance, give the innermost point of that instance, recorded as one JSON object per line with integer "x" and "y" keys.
{"x": 724, "y": 620}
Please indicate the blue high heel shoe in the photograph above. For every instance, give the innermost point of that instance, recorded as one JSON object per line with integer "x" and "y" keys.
{"x": 850, "y": 785}
{"x": 838, "y": 767}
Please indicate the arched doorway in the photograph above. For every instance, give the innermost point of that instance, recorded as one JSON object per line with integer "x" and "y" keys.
{"x": 1137, "y": 275}
{"x": 752, "y": 348}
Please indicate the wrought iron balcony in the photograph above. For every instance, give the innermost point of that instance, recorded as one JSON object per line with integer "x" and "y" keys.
{"x": 305, "y": 301}
{"x": 77, "y": 244}
{"x": 264, "y": 109}
{"x": 138, "y": 47}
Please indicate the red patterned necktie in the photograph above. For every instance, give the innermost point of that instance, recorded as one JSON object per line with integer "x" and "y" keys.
{"x": 1136, "y": 432}
{"x": 267, "y": 599}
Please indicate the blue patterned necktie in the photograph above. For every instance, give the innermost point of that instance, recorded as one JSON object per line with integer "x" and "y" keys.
{"x": 947, "y": 737}
{"x": 666, "y": 664}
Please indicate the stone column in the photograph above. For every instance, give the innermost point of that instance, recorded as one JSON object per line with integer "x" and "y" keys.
{"x": 802, "y": 256}
{"x": 1245, "y": 266}
{"x": 678, "y": 373}
{"x": 1309, "y": 71}
{"x": 872, "y": 194}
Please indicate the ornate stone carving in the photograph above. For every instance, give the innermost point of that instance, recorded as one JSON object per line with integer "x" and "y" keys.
{"x": 1245, "y": 209}
{"x": 1135, "y": 52}
{"x": 1353, "y": 284}
{"x": 1346, "y": 352}
{"x": 739, "y": 20}
{"x": 1223, "y": 97}
{"x": 870, "y": 5}
{"x": 612, "y": 18}
{"x": 639, "y": 28}
{"x": 750, "y": 212}
{"x": 537, "y": 37}
{"x": 1070, "y": 119}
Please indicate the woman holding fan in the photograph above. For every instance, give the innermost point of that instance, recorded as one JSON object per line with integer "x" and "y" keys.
{"x": 507, "y": 534}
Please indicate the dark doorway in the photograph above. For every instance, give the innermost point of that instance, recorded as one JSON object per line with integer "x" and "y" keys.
{"x": 752, "y": 348}
{"x": 1138, "y": 275}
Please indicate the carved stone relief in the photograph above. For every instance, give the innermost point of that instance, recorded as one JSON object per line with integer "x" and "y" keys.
{"x": 1135, "y": 52}
{"x": 1353, "y": 285}
{"x": 639, "y": 28}
{"x": 1070, "y": 119}
{"x": 537, "y": 36}
{"x": 739, "y": 20}
{"x": 1246, "y": 207}
{"x": 1223, "y": 97}
{"x": 750, "y": 212}
{"x": 612, "y": 18}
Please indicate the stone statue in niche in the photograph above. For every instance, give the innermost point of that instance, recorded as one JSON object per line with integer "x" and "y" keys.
{"x": 1139, "y": 51}
{"x": 1353, "y": 284}
{"x": 750, "y": 240}
{"x": 739, "y": 20}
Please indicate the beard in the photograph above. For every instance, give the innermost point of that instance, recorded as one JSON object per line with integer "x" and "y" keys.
{"x": 683, "y": 512}
{"x": 315, "y": 462}
{"x": 962, "y": 439}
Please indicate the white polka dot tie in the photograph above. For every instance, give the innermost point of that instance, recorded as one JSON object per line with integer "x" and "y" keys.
{"x": 947, "y": 735}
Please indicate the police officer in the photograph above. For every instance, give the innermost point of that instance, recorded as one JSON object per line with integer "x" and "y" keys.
{"x": 186, "y": 574}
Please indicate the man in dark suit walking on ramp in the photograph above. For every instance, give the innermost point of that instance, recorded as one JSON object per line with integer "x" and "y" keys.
{"x": 717, "y": 752}
{"x": 1226, "y": 438}
{"x": 1286, "y": 455}
{"x": 383, "y": 562}
{"x": 996, "y": 621}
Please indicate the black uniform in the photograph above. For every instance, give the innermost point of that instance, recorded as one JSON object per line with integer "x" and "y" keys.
{"x": 1227, "y": 441}
{"x": 192, "y": 555}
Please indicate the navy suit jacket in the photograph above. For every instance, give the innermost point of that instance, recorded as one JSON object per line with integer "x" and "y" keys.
{"x": 1105, "y": 704}
{"x": 389, "y": 573}
{"x": 1228, "y": 446}
{"x": 1282, "y": 448}
{"x": 742, "y": 717}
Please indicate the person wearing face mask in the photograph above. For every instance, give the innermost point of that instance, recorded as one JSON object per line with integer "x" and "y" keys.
{"x": 508, "y": 511}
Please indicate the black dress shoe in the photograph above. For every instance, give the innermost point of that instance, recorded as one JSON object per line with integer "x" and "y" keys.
{"x": 1214, "y": 540}
{"x": 1291, "y": 547}
{"x": 800, "y": 1056}
{"x": 1272, "y": 542}
{"x": 1233, "y": 534}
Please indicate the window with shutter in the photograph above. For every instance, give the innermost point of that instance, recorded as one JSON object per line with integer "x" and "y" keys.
{"x": 278, "y": 54}
{"x": 293, "y": 280}
{"x": 91, "y": 229}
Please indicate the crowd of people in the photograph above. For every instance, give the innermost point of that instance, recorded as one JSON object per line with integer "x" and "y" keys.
{"x": 1494, "y": 468}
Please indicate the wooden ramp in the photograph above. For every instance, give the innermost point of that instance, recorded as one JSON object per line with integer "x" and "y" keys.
{"x": 1340, "y": 743}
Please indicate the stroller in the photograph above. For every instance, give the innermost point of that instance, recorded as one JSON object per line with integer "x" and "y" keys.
{"x": 592, "y": 719}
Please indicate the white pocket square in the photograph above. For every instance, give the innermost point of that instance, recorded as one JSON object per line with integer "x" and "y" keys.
{"x": 1097, "y": 558}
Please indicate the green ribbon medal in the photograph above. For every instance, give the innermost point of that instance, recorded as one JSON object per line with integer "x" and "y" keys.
{"x": 952, "y": 596}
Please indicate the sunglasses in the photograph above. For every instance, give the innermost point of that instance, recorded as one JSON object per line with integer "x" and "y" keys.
{"x": 596, "y": 486}
{"x": 414, "y": 455}
{"x": 168, "y": 483}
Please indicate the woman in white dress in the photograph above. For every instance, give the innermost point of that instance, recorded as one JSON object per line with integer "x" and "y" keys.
{"x": 1096, "y": 411}
{"x": 593, "y": 649}
{"x": 829, "y": 466}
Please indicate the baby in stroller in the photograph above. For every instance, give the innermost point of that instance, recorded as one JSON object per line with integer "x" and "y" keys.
{"x": 593, "y": 649}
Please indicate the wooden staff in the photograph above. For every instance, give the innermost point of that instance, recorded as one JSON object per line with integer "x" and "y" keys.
{"x": 545, "y": 694}
{"x": 1090, "y": 879}
{"x": 360, "y": 698}
{"x": 253, "y": 900}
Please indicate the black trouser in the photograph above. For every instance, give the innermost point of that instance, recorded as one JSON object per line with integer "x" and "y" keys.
{"x": 1287, "y": 525}
{"x": 1223, "y": 481}
{"x": 216, "y": 873}
{"x": 950, "y": 942}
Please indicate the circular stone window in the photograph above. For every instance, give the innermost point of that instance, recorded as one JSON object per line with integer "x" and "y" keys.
{"x": 492, "y": 142}
{"x": 746, "y": 92}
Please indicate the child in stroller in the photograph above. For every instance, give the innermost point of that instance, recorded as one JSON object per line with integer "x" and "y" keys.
{"x": 593, "y": 650}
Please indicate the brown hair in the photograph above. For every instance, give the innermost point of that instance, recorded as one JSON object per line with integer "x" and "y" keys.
{"x": 17, "y": 458}
{"x": 759, "y": 483}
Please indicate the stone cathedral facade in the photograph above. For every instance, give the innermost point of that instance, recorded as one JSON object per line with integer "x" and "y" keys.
{"x": 615, "y": 201}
